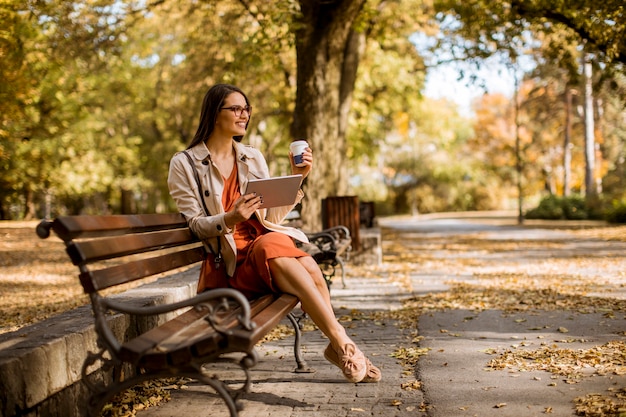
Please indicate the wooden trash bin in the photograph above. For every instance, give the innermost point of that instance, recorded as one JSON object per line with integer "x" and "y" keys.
{"x": 343, "y": 211}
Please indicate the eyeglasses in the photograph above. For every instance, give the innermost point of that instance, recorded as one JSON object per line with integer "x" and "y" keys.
{"x": 238, "y": 110}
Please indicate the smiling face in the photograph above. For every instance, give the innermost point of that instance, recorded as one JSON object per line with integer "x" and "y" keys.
{"x": 227, "y": 122}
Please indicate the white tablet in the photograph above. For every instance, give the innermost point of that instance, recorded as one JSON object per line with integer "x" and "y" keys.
{"x": 276, "y": 191}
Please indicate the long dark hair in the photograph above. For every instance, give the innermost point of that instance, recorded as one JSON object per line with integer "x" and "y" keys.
{"x": 213, "y": 101}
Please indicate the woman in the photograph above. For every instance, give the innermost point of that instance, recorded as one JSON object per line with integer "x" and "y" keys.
{"x": 259, "y": 254}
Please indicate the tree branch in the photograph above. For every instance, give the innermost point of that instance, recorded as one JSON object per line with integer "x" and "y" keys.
{"x": 522, "y": 9}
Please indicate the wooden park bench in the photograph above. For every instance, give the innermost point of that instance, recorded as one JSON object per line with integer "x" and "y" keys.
{"x": 114, "y": 250}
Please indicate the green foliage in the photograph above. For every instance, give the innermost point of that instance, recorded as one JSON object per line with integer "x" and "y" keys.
{"x": 97, "y": 96}
{"x": 101, "y": 98}
{"x": 617, "y": 212}
{"x": 390, "y": 76}
{"x": 560, "y": 208}
{"x": 575, "y": 208}
{"x": 483, "y": 27}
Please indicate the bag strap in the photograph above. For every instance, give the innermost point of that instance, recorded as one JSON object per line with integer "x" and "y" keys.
{"x": 217, "y": 255}
{"x": 198, "y": 183}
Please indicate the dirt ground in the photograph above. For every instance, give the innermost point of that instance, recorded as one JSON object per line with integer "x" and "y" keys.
{"x": 36, "y": 278}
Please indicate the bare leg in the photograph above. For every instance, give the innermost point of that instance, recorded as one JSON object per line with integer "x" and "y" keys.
{"x": 292, "y": 277}
{"x": 303, "y": 278}
{"x": 314, "y": 270}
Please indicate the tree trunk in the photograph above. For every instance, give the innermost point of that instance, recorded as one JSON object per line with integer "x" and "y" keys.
{"x": 30, "y": 211}
{"x": 567, "y": 148}
{"x": 327, "y": 59}
{"x": 126, "y": 201}
{"x": 519, "y": 164}
{"x": 599, "y": 128}
{"x": 590, "y": 185}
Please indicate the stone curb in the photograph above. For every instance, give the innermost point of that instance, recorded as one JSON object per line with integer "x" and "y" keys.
{"x": 40, "y": 365}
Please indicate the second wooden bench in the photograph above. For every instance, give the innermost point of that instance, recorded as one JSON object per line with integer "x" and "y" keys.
{"x": 333, "y": 249}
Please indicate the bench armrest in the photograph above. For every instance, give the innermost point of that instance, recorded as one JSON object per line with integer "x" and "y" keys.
{"x": 330, "y": 237}
{"x": 340, "y": 232}
{"x": 323, "y": 240}
{"x": 196, "y": 301}
{"x": 199, "y": 301}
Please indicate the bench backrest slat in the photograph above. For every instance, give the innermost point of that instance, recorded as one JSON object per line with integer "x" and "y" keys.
{"x": 96, "y": 280}
{"x": 87, "y": 251}
{"x": 71, "y": 227}
{"x": 117, "y": 249}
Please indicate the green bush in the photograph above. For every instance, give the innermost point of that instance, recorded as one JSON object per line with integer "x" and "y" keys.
{"x": 560, "y": 208}
{"x": 617, "y": 213}
{"x": 574, "y": 208}
{"x": 549, "y": 209}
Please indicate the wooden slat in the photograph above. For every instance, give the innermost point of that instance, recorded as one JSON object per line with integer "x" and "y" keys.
{"x": 342, "y": 211}
{"x": 131, "y": 271}
{"x": 148, "y": 340}
{"x": 202, "y": 348}
{"x": 71, "y": 227}
{"x": 159, "y": 335}
{"x": 267, "y": 319}
{"x": 160, "y": 356}
{"x": 87, "y": 251}
{"x": 200, "y": 345}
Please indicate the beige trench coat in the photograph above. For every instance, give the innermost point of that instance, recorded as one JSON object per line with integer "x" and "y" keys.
{"x": 184, "y": 191}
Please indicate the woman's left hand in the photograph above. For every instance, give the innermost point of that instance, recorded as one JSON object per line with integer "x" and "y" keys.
{"x": 307, "y": 157}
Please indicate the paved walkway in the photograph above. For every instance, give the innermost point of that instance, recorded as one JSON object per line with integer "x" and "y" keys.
{"x": 278, "y": 392}
{"x": 460, "y": 342}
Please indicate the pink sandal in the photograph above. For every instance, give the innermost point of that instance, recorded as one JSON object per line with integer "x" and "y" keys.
{"x": 373, "y": 374}
{"x": 355, "y": 366}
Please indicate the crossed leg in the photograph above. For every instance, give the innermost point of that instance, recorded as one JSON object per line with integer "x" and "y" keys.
{"x": 303, "y": 278}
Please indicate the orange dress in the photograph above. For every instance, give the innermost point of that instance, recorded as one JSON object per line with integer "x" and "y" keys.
{"x": 255, "y": 247}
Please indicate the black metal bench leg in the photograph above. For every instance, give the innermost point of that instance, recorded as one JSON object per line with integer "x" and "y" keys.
{"x": 302, "y": 368}
{"x": 343, "y": 271}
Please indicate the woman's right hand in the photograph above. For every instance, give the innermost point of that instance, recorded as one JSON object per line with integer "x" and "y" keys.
{"x": 243, "y": 209}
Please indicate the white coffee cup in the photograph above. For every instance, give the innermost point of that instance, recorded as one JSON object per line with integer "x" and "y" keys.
{"x": 297, "y": 148}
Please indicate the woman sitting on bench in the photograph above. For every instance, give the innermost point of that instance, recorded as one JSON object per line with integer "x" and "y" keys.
{"x": 259, "y": 255}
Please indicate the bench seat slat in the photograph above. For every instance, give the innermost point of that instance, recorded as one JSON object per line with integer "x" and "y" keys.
{"x": 131, "y": 271}
{"x": 72, "y": 227}
{"x": 148, "y": 340}
{"x": 83, "y": 252}
{"x": 184, "y": 338}
{"x": 202, "y": 347}
{"x": 267, "y": 319}
{"x": 159, "y": 335}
